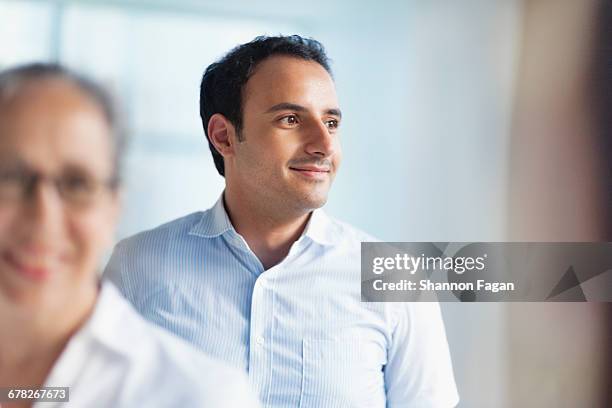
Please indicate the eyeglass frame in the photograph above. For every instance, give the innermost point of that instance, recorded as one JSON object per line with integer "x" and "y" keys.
{"x": 30, "y": 179}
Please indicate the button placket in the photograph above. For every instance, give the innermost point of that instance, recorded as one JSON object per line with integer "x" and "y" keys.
{"x": 259, "y": 350}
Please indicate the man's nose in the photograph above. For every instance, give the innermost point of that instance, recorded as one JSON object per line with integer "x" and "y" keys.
{"x": 321, "y": 141}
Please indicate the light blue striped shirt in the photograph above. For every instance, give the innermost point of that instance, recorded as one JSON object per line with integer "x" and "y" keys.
{"x": 299, "y": 328}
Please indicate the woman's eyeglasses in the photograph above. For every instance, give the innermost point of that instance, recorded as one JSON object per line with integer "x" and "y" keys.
{"x": 75, "y": 189}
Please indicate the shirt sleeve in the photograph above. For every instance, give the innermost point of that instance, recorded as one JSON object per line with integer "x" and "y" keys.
{"x": 419, "y": 371}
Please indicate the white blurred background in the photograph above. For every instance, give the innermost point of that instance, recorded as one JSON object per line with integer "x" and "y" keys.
{"x": 427, "y": 89}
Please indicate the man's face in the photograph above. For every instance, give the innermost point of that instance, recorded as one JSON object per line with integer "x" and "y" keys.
{"x": 291, "y": 148}
{"x": 49, "y": 247}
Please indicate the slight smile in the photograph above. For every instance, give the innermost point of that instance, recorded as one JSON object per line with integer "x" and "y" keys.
{"x": 311, "y": 172}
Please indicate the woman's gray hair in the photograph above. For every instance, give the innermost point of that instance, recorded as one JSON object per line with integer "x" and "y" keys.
{"x": 12, "y": 81}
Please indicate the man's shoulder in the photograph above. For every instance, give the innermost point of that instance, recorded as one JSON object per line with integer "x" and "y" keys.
{"x": 178, "y": 227}
{"x": 141, "y": 257}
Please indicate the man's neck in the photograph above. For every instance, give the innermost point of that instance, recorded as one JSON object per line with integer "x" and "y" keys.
{"x": 269, "y": 234}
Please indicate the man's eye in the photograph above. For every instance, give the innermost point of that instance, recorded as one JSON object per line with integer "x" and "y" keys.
{"x": 332, "y": 124}
{"x": 289, "y": 120}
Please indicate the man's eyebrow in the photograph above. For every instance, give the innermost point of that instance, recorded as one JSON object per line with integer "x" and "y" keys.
{"x": 335, "y": 112}
{"x": 286, "y": 106}
{"x": 300, "y": 108}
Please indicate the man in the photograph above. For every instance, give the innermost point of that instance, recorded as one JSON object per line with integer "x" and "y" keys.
{"x": 265, "y": 279}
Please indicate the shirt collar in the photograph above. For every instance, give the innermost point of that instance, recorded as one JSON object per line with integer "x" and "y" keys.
{"x": 215, "y": 222}
{"x": 321, "y": 229}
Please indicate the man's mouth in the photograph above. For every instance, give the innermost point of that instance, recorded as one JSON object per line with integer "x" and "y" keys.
{"x": 313, "y": 172}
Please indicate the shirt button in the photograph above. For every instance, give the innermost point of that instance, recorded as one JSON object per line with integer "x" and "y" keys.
{"x": 260, "y": 340}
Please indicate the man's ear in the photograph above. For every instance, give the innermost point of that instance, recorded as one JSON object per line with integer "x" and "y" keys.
{"x": 222, "y": 134}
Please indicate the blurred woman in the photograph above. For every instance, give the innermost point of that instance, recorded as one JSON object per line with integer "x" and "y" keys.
{"x": 59, "y": 202}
